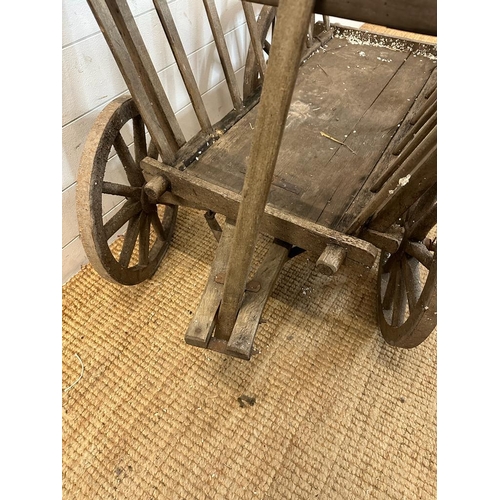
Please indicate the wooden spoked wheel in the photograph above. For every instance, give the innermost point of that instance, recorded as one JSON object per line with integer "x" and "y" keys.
{"x": 265, "y": 25}
{"x": 407, "y": 282}
{"x": 111, "y": 199}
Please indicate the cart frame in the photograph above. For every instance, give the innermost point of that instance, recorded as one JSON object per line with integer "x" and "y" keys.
{"x": 228, "y": 315}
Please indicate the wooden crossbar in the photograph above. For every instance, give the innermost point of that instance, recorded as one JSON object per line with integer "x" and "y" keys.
{"x": 252, "y": 307}
{"x": 202, "y": 324}
{"x": 417, "y": 16}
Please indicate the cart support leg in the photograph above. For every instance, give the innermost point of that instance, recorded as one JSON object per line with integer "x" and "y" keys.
{"x": 284, "y": 62}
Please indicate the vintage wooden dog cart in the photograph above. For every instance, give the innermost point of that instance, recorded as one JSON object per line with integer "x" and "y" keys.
{"x": 331, "y": 149}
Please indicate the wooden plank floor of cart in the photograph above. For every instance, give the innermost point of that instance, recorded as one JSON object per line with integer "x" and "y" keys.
{"x": 357, "y": 94}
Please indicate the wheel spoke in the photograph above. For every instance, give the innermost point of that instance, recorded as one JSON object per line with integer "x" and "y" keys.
{"x": 123, "y": 215}
{"x": 411, "y": 277}
{"x": 144, "y": 239}
{"x": 134, "y": 173}
{"x": 267, "y": 47}
{"x": 140, "y": 146}
{"x": 129, "y": 241}
{"x": 157, "y": 226}
{"x": 391, "y": 288}
{"x": 399, "y": 303}
{"x": 153, "y": 150}
{"x": 121, "y": 190}
{"x": 422, "y": 226}
{"x": 420, "y": 252}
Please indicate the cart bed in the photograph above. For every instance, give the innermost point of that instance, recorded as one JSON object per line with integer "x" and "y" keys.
{"x": 316, "y": 178}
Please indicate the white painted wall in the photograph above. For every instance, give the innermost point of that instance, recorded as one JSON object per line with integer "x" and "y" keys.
{"x": 91, "y": 79}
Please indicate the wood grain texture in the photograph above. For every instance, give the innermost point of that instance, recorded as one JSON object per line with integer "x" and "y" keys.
{"x": 277, "y": 93}
{"x": 134, "y": 43}
{"x": 247, "y": 322}
{"x": 320, "y": 181}
{"x": 202, "y": 324}
{"x": 419, "y": 16}
{"x": 220, "y": 42}
{"x": 181, "y": 58}
{"x": 275, "y": 222}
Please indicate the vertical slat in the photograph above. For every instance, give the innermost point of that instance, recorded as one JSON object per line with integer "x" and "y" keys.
{"x": 310, "y": 32}
{"x": 326, "y": 22}
{"x": 416, "y": 134}
{"x": 421, "y": 179}
{"x": 409, "y": 150}
{"x": 131, "y": 76}
{"x": 412, "y": 164}
{"x": 135, "y": 45}
{"x": 220, "y": 43}
{"x": 291, "y": 28}
{"x": 254, "y": 36}
{"x": 167, "y": 21}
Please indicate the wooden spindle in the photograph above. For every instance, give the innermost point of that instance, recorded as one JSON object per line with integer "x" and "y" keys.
{"x": 414, "y": 160}
{"x": 310, "y": 32}
{"x": 254, "y": 37}
{"x": 175, "y": 42}
{"x": 431, "y": 101}
{"x": 220, "y": 43}
{"x": 132, "y": 38}
{"x": 421, "y": 178}
{"x": 410, "y": 153}
{"x": 163, "y": 138}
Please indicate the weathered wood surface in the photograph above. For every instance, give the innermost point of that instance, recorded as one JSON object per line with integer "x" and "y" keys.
{"x": 202, "y": 324}
{"x": 384, "y": 167}
{"x": 136, "y": 47}
{"x": 330, "y": 260}
{"x": 275, "y": 222}
{"x": 163, "y": 137}
{"x": 419, "y": 157}
{"x": 320, "y": 181}
{"x": 255, "y": 37}
{"x": 245, "y": 328}
{"x": 422, "y": 177}
{"x": 277, "y": 93}
{"x": 181, "y": 58}
{"x": 417, "y": 16}
{"x": 220, "y": 43}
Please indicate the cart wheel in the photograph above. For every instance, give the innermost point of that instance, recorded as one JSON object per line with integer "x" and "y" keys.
{"x": 111, "y": 199}
{"x": 407, "y": 281}
{"x": 265, "y": 26}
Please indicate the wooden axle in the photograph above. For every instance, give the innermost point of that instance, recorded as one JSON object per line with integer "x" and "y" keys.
{"x": 331, "y": 259}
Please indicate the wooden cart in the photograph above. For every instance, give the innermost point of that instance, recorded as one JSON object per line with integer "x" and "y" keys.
{"x": 331, "y": 149}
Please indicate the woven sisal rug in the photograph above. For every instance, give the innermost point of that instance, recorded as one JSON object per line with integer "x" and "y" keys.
{"x": 325, "y": 410}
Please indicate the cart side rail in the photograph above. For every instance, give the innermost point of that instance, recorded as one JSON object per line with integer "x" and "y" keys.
{"x": 416, "y": 16}
{"x": 123, "y": 37}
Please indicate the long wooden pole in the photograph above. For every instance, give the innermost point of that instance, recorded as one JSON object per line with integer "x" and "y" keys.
{"x": 291, "y": 29}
